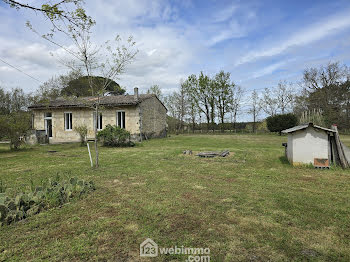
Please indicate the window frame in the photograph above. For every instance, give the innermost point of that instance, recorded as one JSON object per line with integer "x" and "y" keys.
{"x": 65, "y": 121}
{"x": 99, "y": 123}
{"x": 123, "y": 125}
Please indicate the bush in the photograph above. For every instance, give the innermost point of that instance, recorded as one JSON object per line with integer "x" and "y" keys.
{"x": 82, "y": 131}
{"x": 115, "y": 136}
{"x": 278, "y": 123}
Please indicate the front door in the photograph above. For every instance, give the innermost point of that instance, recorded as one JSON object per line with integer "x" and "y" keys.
{"x": 48, "y": 127}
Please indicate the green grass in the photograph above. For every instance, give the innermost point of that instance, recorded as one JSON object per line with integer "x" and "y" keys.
{"x": 250, "y": 206}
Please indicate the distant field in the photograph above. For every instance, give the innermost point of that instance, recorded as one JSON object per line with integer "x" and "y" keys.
{"x": 250, "y": 206}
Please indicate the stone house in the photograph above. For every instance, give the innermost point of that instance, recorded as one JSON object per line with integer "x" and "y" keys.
{"x": 142, "y": 114}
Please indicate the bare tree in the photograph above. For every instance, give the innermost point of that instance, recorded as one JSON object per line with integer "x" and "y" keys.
{"x": 235, "y": 103}
{"x": 254, "y": 108}
{"x": 269, "y": 103}
{"x": 284, "y": 97}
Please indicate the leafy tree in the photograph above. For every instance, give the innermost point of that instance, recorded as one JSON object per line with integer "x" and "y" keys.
{"x": 224, "y": 90}
{"x": 278, "y": 123}
{"x": 201, "y": 90}
{"x": 155, "y": 89}
{"x": 52, "y": 88}
{"x": 80, "y": 87}
{"x": 14, "y": 127}
{"x": 14, "y": 101}
{"x": 327, "y": 88}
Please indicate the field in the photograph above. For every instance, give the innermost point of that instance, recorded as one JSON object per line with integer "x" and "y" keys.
{"x": 250, "y": 206}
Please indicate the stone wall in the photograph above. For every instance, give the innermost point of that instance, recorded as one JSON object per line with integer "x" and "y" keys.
{"x": 153, "y": 118}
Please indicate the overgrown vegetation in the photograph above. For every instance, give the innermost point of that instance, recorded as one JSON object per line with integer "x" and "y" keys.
{"x": 115, "y": 136}
{"x": 51, "y": 194}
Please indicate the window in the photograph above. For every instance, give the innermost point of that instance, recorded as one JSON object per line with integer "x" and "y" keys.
{"x": 48, "y": 114}
{"x": 68, "y": 121}
{"x": 99, "y": 121}
{"x": 121, "y": 119}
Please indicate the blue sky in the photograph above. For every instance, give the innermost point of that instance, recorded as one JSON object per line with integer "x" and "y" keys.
{"x": 259, "y": 42}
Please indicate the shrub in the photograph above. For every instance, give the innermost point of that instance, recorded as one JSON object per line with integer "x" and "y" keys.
{"x": 278, "y": 123}
{"x": 115, "y": 136}
{"x": 82, "y": 131}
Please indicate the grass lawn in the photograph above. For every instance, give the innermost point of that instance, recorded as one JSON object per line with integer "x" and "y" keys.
{"x": 250, "y": 206}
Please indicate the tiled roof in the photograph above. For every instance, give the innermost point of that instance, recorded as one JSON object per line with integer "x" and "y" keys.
{"x": 89, "y": 101}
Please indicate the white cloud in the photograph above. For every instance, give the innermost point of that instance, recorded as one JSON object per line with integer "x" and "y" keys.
{"x": 310, "y": 34}
{"x": 224, "y": 14}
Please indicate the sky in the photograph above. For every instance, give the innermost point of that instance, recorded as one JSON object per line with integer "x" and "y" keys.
{"x": 258, "y": 42}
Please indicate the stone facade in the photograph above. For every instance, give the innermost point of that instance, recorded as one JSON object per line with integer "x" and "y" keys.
{"x": 153, "y": 115}
{"x": 148, "y": 117}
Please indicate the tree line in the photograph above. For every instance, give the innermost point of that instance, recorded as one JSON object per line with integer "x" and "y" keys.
{"x": 211, "y": 103}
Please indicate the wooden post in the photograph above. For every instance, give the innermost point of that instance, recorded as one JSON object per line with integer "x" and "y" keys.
{"x": 92, "y": 165}
{"x": 343, "y": 161}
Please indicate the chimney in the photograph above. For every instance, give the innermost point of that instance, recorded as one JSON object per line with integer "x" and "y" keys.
{"x": 136, "y": 94}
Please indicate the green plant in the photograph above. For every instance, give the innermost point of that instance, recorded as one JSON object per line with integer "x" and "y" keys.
{"x": 115, "y": 136}
{"x": 82, "y": 131}
{"x": 52, "y": 193}
{"x": 278, "y": 123}
{"x": 14, "y": 127}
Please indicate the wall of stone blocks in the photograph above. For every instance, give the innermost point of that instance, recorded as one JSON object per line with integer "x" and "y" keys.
{"x": 153, "y": 118}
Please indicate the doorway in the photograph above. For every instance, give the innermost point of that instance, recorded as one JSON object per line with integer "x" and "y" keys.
{"x": 48, "y": 124}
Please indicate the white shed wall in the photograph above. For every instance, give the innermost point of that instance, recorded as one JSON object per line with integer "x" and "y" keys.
{"x": 308, "y": 144}
{"x": 290, "y": 148}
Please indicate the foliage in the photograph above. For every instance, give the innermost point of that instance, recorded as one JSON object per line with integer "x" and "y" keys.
{"x": 48, "y": 195}
{"x": 14, "y": 127}
{"x": 278, "y": 123}
{"x": 155, "y": 89}
{"x": 82, "y": 130}
{"x": 224, "y": 90}
{"x": 14, "y": 100}
{"x": 327, "y": 88}
{"x": 52, "y": 88}
{"x": 80, "y": 87}
{"x": 115, "y": 136}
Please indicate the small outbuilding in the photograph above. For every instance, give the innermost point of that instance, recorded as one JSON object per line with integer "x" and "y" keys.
{"x": 312, "y": 144}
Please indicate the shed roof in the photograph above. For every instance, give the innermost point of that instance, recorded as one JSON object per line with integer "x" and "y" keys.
{"x": 304, "y": 126}
{"x": 120, "y": 100}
